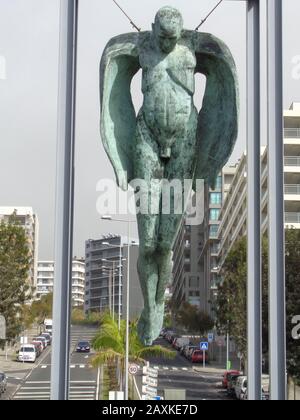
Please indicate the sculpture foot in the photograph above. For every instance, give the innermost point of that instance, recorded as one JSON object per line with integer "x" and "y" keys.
{"x": 150, "y": 325}
{"x": 146, "y": 327}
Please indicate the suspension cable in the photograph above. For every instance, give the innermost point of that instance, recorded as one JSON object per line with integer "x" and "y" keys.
{"x": 210, "y": 13}
{"x": 128, "y": 17}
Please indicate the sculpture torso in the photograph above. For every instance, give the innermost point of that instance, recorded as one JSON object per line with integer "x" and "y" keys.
{"x": 168, "y": 87}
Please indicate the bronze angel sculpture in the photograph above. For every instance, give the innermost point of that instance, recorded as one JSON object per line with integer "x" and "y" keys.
{"x": 168, "y": 139}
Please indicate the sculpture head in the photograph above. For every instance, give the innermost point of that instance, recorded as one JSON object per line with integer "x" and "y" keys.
{"x": 167, "y": 28}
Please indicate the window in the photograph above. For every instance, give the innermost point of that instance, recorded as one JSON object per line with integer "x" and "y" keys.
{"x": 215, "y": 198}
{"x": 214, "y": 214}
{"x": 213, "y": 231}
{"x": 218, "y": 183}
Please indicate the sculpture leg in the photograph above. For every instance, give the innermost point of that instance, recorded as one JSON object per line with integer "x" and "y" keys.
{"x": 180, "y": 167}
{"x": 148, "y": 167}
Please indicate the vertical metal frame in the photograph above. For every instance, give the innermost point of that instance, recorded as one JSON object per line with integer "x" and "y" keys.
{"x": 277, "y": 294}
{"x": 64, "y": 200}
{"x": 65, "y": 196}
{"x": 254, "y": 202}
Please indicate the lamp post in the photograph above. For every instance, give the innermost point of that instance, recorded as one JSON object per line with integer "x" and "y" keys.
{"x": 110, "y": 218}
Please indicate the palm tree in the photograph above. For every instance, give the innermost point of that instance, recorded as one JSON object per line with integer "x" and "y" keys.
{"x": 110, "y": 344}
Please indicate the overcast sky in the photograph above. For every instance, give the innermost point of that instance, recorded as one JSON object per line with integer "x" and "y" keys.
{"x": 28, "y": 96}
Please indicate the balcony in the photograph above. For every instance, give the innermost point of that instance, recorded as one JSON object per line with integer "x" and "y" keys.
{"x": 292, "y": 189}
{"x": 292, "y": 217}
{"x": 292, "y": 161}
{"x": 292, "y": 133}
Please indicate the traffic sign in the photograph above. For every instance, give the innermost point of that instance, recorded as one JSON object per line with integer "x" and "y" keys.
{"x": 153, "y": 373}
{"x": 149, "y": 381}
{"x": 149, "y": 390}
{"x": 210, "y": 337}
{"x": 204, "y": 346}
{"x": 133, "y": 369}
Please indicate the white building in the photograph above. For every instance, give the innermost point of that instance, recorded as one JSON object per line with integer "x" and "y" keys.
{"x": 45, "y": 280}
{"x": 29, "y": 221}
{"x": 233, "y": 216}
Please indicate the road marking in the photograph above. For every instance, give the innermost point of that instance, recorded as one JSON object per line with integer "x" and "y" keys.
{"x": 72, "y": 366}
{"x": 44, "y": 367}
{"x": 82, "y": 366}
{"x": 184, "y": 368}
{"x": 165, "y": 368}
{"x": 174, "y": 368}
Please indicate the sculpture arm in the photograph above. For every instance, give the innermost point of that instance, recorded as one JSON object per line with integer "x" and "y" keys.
{"x": 218, "y": 119}
{"x": 119, "y": 64}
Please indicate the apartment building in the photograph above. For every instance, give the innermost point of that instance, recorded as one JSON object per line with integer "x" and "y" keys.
{"x": 186, "y": 274}
{"x": 29, "y": 221}
{"x": 196, "y": 249}
{"x": 233, "y": 215}
{"x": 106, "y": 276}
{"x": 45, "y": 280}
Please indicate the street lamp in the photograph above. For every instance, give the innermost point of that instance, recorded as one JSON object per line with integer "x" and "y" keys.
{"x": 110, "y": 218}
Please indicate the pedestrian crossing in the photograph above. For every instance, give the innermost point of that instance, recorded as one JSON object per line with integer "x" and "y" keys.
{"x": 172, "y": 368}
{"x": 40, "y": 390}
{"x": 73, "y": 366}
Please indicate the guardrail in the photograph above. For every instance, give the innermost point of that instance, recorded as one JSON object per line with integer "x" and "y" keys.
{"x": 292, "y": 217}
{"x": 292, "y": 133}
{"x": 292, "y": 161}
{"x": 292, "y": 189}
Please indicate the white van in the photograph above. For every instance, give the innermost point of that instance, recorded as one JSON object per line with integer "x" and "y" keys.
{"x": 27, "y": 353}
{"x": 48, "y": 323}
{"x": 241, "y": 387}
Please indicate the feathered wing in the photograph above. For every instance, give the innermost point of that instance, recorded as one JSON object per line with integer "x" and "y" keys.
{"x": 218, "y": 118}
{"x": 119, "y": 64}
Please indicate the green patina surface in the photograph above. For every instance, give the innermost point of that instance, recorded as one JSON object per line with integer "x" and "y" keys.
{"x": 168, "y": 139}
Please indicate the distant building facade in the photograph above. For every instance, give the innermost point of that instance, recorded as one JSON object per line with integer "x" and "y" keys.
{"x": 29, "y": 221}
{"x": 45, "y": 280}
{"x": 106, "y": 276}
{"x": 233, "y": 216}
{"x": 196, "y": 248}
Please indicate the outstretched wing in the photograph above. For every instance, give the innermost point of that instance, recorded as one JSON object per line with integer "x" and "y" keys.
{"x": 218, "y": 118}
{"x": 119, "y": 64}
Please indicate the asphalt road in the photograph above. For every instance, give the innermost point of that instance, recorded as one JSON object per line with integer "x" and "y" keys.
{"x": 178, "y": 373}
{"x": 84, "y": 380}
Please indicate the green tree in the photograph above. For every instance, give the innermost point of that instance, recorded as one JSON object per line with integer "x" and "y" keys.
{"x": 194, "y": 320}
{"x": 293, "y": 300}
{"x": 41, "y": 309}
{"x": 110, "y": 344}
{"x": 14, "y": 268}
{"x": 231, "y": 305}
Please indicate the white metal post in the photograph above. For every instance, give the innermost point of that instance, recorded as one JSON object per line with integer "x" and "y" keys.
{"x": 127, "y": 316}
{"x": 64, "y": 200}
{"x": 277, "y": 313}
{"x": 254, "y": 202}
{"x": 120, "y": 290}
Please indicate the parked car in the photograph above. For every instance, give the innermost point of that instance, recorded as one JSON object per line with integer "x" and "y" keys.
{"x": 83, "y": 347}
{"x": 190, "y": 351}
{"x": 232, "y": 380}
{"x": 241, "y": 387}
{"x": 3, "y": 383}
{"x": 181, "y": 342}
{"x": 48, "y": 325}
{"x": 225, "y": 377}
{"x": 47, "y": 337}
{"x": 42, "y": 339}
{"x": 38, "y": 347}
{"x": 197, "y": 356}
{"x": 265, "y": 396}
{"x": 27, "y": 353}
